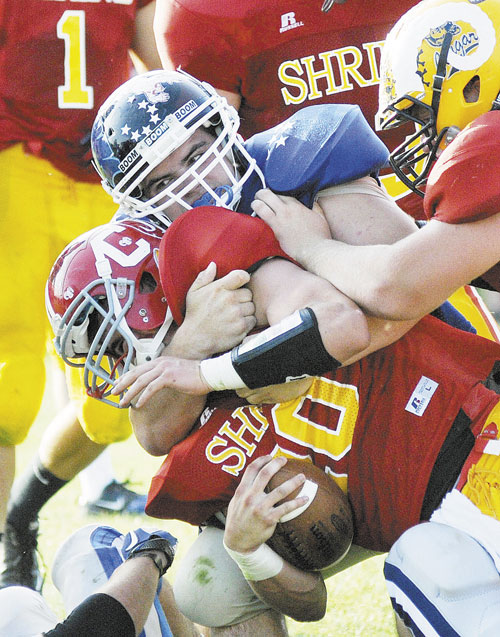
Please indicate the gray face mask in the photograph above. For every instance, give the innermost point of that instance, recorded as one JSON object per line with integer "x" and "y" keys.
{"x": 328, "y": 4}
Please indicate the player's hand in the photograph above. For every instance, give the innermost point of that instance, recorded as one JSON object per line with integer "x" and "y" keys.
{"x": 297, "y": 228}
{"x": 219, "y": 314}
{"x": 252, "y": 513}
{"x": 164, "y": 372}
{"x": 281, "y": 393}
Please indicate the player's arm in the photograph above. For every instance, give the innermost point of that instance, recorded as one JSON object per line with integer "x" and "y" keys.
{"x": 279, "y": 288}
{"x": 346, "y": 332}
{"x": 144, "y": 53}
{"x": 251, "y": 520}
{"x": 314, "y": 329}
{"x": 358, "y": 213}
{"x": 404, "y": 280}
{"x": 219, "y": 313}
{"x": 162, "y": 17}
{"x": 415, "y": 275}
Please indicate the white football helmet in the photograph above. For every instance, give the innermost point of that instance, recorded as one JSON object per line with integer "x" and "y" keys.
{"x": 440, "y": 69}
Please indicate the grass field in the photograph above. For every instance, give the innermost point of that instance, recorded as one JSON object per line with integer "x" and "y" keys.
{"x": 357, "y": 600}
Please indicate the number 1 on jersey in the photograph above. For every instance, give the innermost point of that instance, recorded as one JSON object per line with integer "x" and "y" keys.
{"x": 75, "y": 93}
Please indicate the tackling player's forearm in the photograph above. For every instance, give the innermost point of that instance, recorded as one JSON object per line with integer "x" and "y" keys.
{"x": 298, "y": 594}
{"x": 342, "y": 325}
{"x": 165, "y": 420}
{"x": 366, "y": 274}
{"x": 168, "y": 416}
{"x": 413, "y": 276}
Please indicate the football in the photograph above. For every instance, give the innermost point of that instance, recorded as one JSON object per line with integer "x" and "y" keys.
{"x": 321, "y": 533}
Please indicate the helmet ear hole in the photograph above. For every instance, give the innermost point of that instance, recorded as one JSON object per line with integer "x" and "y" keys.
{"x": 96, "y": 318}
{"x": 147, "y": 284}
{"x": 472, "y": 90}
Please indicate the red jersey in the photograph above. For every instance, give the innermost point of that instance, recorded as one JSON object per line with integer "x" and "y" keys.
{"x": 461, "y": 185}
{"x": 376, "y": 427}
{"x": 58, "y": 63}
{"x": 281, "y": 56}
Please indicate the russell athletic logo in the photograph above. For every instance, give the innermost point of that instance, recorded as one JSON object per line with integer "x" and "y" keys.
{"x": 421, "y": 396}
{"x": 288, "y": 22}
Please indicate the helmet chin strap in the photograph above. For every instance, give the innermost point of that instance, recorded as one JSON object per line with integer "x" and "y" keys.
{"x": 496, "y": 103}
{"x": 440, "y": 75}
{"x": 147, "y": 349}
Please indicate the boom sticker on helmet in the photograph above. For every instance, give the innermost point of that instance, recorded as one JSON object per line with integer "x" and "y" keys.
{"x": 183, "y": 111}
{"x": 148, "y": 118}
{"x": 129, "y": 160}
{"x": 156, "y": 134}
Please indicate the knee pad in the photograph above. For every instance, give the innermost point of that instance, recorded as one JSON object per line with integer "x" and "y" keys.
{"x": 209, "y": 588}
{"x": 24, "y": 612}
{"x": 22, "y": 383}
{"x": 443, "y": 583}
{"x": 88, "y": 558}
{"x": 102, "y": 423}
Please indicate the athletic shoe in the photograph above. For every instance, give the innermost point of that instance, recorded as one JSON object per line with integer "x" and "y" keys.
{"x": 19, "y": 565}
{"x": 116, "y": 498}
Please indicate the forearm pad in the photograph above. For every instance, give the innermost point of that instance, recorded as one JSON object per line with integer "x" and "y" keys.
{"x": 291, "y": 349}
{"x": 99, "y": 615}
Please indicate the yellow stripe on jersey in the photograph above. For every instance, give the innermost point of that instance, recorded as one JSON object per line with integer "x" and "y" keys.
{"x": 468, "y": 302}
{"x": 483, "y": 479}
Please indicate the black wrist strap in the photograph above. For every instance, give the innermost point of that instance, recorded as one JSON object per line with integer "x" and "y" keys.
{"x": 293, "y": 349}
{"x": 150, "y": 548}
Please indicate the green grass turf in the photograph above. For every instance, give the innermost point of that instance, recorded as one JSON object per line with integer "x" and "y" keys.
{"x": 357, "y": 599}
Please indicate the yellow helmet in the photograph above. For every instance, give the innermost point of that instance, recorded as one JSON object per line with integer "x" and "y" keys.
{"x": 440, "y": 69}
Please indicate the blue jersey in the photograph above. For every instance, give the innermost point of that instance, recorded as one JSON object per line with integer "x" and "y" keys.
{"x": 317, "y": 147}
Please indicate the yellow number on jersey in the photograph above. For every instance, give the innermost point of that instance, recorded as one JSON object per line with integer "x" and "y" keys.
{"x": 74, "y": 93}
{"x": 333, "y": 437}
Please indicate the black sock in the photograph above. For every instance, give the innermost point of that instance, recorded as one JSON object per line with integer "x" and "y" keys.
{"x": 30, "y": 492}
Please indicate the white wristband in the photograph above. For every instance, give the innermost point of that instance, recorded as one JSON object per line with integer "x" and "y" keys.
{"x": 219, "y": 373}
{"x": 261, "y": 564}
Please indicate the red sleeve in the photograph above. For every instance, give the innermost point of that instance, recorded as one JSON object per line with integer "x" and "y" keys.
{"x": 201, "y": 473}
{"x": 34, "y": 62}
{"x": 187, "y": 486}
{"x": 231, "y": 239}
{"x": 462, "y": 185}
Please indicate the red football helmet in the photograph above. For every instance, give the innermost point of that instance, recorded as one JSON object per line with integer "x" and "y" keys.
{"x": 106, "y": 304}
